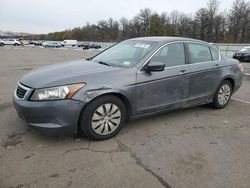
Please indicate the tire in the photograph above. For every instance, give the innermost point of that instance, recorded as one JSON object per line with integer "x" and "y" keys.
{"x": 103, "y": 118}
{"x": 1, "y": 44}
{"x": 222, "y": 95}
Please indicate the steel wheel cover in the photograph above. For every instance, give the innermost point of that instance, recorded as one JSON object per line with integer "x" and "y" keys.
{"x": 106, "y": 119}
{"x": 224, "y": 94}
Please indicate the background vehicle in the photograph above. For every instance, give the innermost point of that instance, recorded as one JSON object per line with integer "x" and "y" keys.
{"x": 90, "y": 45}
{"x": 24, "y": 42}
{"x": 51, "y": 44}
{"x": 133, "y": 79}
{"x": 69, "y": 43}
{"x": 1, "y": 42}
{"x": 14, "y": 42}
{"x": 35, "y": 42}
{"x": 243, "y": 54}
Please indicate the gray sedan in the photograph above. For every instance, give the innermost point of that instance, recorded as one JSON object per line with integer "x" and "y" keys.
{"x": 136, "y": 78}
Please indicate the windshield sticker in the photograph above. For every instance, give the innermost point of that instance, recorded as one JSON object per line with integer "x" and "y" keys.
{"x": 139, "y": 45}
{"x": 126, "y": 63}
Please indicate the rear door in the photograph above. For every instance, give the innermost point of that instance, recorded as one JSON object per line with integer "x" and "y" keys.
{"x": 167, "y": 89}
{"x": 205, "y": 72}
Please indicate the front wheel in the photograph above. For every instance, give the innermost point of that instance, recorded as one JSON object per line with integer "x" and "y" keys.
{"x": 222, "y": 95}
{"x": 103, "y": 118}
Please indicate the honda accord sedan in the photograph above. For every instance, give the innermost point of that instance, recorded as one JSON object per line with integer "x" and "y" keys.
{"x": 135, "y": 78}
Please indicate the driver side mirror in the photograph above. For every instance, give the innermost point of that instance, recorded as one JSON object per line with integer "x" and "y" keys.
{"x": 154, "y": 67}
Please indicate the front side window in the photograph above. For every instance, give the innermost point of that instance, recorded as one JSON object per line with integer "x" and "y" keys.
{"x": 171, "y": 55}
{"x": 125, "y": 54}
{"x": 199, "y": 53}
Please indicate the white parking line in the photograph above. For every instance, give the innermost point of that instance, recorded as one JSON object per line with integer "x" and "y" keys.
{"x": 240, "y": 100}
{"x": 247, "y": 74}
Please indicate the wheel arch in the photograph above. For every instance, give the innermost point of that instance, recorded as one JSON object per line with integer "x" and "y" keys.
{"x": 231, "y": 80}
{"x": 122, "y": 97}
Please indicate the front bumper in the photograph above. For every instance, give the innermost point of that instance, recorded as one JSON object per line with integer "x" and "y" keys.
{"x": 242, "y": 57}
{"x": 50, "y": 117}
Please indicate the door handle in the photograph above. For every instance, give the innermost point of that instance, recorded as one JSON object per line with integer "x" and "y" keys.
{"x": 217, "y": 65}
{"x": 183, "y": 71}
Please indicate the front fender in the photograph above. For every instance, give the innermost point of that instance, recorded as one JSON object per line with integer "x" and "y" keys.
{"x": 127, "y": 93}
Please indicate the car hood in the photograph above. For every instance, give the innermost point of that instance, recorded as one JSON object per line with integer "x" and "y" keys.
{"x": 63, "y": 73}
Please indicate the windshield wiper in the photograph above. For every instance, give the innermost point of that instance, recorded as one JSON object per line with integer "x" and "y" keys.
{"x": 103, "y": 63}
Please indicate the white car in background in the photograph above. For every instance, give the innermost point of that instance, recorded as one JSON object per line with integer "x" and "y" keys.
{"x": 69, "y": 43}
{"x": 14, "y": 42}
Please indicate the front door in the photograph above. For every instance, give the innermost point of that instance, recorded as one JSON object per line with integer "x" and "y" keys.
{"x": 167, "y": 89}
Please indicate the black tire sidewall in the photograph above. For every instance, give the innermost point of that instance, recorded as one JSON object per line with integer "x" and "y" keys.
{"x": 86, "y": 116}
{"x": 216, "y": 102}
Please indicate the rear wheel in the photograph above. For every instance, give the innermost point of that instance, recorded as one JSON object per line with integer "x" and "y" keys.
{"x": 223, "y": 95}
{"x": 1, "y": 44}
{"x": 103, "y": 118}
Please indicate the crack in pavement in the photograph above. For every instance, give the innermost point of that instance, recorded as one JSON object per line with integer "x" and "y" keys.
{"x": 113, "y": 162}
{"x": 123, "y": 148}
{"x": 5, "y": 106}
{"x": 13, "y": 139}
{"x": 91, "y": 150}
{"x": 140, "y": 163}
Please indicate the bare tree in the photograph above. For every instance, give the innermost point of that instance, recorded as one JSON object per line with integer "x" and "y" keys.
{"x": 238, "y": 20}
{"x": 212, "y": 11}
{"x": 201, "y": 20}
{"x": 124, "y": 27}
{"x": 185, "y": 24}
{"x": 145, "y": 16}
{"x": 207, "y": 24}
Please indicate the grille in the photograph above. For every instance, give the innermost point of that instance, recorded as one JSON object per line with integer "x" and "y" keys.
{"x": 20, "y": 92}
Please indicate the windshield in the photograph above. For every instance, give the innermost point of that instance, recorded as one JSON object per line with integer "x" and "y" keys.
{"x": 245, "y": 50}
{"x": 125, "y": 54}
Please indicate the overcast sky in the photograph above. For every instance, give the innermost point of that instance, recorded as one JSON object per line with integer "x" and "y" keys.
{"x": 43, "y": 16}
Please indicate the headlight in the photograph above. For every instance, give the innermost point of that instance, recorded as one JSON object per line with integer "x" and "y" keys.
{"x": 56, "y": 93}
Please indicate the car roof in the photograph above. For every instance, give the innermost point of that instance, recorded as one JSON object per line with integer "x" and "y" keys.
{"x": 163, "y": 39}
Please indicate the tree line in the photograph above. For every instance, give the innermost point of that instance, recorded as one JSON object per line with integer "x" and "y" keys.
{"x": 207, "y": 23}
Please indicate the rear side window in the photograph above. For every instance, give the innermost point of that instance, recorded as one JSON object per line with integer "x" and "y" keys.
{"x": 170, "y": 55}
{"x": 199, "y": 53}
{"x": 215, "y": 54}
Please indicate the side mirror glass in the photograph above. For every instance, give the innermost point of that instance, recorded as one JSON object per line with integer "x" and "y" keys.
{"x": 155, "y": 67}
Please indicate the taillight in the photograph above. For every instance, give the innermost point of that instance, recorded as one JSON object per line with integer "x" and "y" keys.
{"x": 240, "y": 67}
